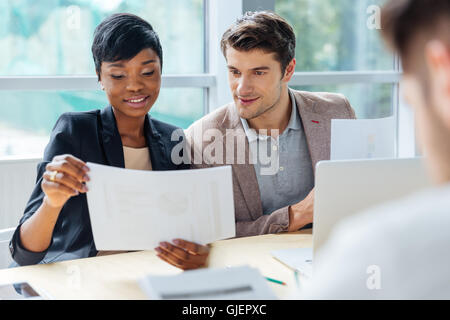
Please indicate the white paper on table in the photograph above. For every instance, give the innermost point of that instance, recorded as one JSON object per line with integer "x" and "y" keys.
{"x": 362, "y": 138}
{"x": 235, "y": 283}
{"x": 135, "y": 210}
{"x": 299, "y": 259}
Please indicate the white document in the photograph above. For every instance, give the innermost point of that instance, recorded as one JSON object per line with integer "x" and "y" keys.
{"x": 135, "y": 210}
{"x": 236, "y": 283}
{"x": 362, "y": 138}
{"x": 299, "y": 259}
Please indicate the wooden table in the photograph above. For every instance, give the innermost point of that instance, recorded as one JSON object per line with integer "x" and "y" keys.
{"x": 115, "y": 276}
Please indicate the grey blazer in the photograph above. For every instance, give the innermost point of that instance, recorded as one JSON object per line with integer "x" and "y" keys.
{"x": 225, "y": 128}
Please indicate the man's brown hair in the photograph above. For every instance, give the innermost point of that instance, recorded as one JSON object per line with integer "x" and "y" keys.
{"x": 262, "y": 30}
{"x": 408, "y": 24}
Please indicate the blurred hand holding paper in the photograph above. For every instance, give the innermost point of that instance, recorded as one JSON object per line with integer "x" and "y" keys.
{"x": 135, "y": 210}
{"x": 236, "y": 283}
{"x": 362, "y": 138}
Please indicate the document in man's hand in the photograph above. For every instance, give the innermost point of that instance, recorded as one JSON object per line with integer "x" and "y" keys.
{"x": 135, "y": 210}
{"x": 362, "y": 138}
{"x": 236, "y": 283}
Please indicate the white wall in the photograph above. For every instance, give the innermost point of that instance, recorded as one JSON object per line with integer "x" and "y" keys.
{"x": 17, "y": 180}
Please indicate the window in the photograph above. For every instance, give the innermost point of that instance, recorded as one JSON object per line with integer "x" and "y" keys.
{"x": 339, "y": 49}
{"x": 54, "y": 37}
{"x": 46, "y": 66}
{"x": 334, "y": 36}
{"x": 334, "y": 39}
{"x": 370, "y": 101}
{"x": 27, "y": 117}
{"x": 49, "y": 42}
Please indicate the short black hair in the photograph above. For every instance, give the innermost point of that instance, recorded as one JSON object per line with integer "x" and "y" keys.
{"x": 122, "y": 36}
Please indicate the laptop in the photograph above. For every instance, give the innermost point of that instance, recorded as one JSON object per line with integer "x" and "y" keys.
{"x": 345, "y": 188}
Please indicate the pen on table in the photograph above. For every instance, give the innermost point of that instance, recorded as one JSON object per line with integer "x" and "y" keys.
{"x": 276, "y": 281}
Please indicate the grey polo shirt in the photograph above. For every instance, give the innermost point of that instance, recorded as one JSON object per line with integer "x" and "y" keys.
{"x": 283, "y": 166}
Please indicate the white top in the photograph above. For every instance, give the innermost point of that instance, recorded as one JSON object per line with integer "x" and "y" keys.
{"x": 398, "y": 250}
{"x": 137, "y": 158}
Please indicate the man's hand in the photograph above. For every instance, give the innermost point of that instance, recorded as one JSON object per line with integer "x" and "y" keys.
{"x": 183, "y": 254}
{"x": 301, "y": 214}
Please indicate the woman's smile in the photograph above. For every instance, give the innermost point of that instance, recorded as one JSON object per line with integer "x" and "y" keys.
{"x": 137, "y": 101}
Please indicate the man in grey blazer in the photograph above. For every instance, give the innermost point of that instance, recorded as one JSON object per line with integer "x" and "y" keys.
{"x": 271, "y": 135}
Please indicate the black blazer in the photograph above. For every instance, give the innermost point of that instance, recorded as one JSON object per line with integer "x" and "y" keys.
{"x": 90, "y": 136}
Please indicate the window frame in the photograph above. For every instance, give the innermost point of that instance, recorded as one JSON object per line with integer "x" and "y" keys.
{"x": 218, "y": 16}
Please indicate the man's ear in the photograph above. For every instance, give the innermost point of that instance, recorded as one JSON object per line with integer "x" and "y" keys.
{"x": 437, "y": 56}
{"x": 290, "y": 69}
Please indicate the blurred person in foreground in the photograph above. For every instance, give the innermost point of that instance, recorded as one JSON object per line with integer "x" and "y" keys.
{"x": 400, "y": 250}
